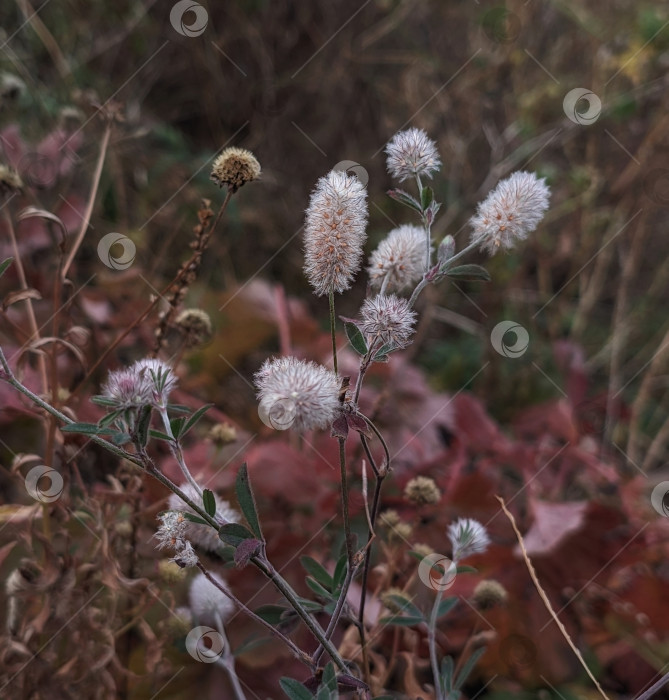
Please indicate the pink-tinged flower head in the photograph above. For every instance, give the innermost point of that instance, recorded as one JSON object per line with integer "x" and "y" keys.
{"x": 127, "y": 388}
{"x": 399, "y": 260}
{"x": 510, "y": 212}
{"x": 334, "y": 232}
{"x": 412, "y": 152}
{"x": 468, "y": 537}
{"x": 296, "y": 393}
{"x": 387, "y": 320}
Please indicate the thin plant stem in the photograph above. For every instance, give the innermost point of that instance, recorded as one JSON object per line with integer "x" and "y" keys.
{"x": 175, "y": 446}
{"x": 344, "y": 501}
{"x": 332, "y": 330}
{"x": 654, "y": 688}
{"x": 227, "y": 660}
{"x": 85, "y": 221}
{"x": 432, "y": 644}
{"x": 299, "y": 654}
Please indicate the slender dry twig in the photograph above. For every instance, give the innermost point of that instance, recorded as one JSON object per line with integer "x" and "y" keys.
{"x": 544, "y": 597}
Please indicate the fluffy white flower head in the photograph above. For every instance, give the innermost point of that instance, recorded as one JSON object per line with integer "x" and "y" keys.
{"x": 296, "y": 393}
{"x": 468, "y": 537}
{"x": 399, "y": 260}
{"x": 334, "y": 232}
{"x": 127, "y": 388}
{"x": 510, "y": 212}
{"x": 203, "y": 535}
{"x": 159, "y": 376}
{"x": 207, "y": 601}
{"x": 412, "y": 152}
{"x": 387, "y": 320}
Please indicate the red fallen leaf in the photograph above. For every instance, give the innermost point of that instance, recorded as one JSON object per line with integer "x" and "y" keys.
{"x": 553, "y": 523}
{"x": 340, "y": 428}
{"x": 245, "y": 550}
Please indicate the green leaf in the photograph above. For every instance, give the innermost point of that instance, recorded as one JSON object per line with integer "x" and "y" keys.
{"x": 310, "y": 605}
{"x": 179, "y": 408}
{"x": 317, "y": 588}
{"x": 426, "y": 197}
{"x": 294, "y": 689}
{"x": 195, "y": 418}
{"x": 446, "y": 605}
{"x": 84, "y": 429}
{"x": 403, "y": 621}
{"x": 250, "y": 644}
{"x": 107, "y": 420}
{"x": 447, "y": 674}
{"x": 209, "y": 502}
{"x": 318, "y": 572}
{"x": 191, "y": 517}
{"x": 143, "y": 426}
{"x": 103, "y": 401}
{"x": 406, "y": 606}
{"x": 405, "y": 198}
{"x": 355, "y": 337}
{"x": 4, "y": 265}
{"x": 158, "y": 435}
{"x": 246, "y": 500}
{"x": 177, "y": 424}
{"x": 329, "y": 682}
{"x": 464, "y": 569}
{"x": 234, "y": 533}
{"x": 468, "y": 667}
{"x": 118, "y": 437}
{"x": 340, "y": 571}
{"x": 468, "y": 273}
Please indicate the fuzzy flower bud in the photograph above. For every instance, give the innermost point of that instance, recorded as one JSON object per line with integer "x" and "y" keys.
{"x": 207, "y": 601}
{"x": 388, "y": 320}
{"x": 489, "y": 594}
{"x": 399, "y": 260}
{"x": 234, "y": 168}
{"x": 195, "y": 326}
{"x": 223, "y": 433}
{"x": 296, "y": 393}
{"x": 422, "y": 490}
{"x": 410, "y": 153}
{"x": 468, "y": 537}
{"x": 203, "y": 535}
{"x": 446, "y": 249}
{"x": 510, "y": 212}
{"x": 334, "y": 232}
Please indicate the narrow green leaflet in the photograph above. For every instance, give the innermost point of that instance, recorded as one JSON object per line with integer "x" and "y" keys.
{"x": 317, "y": 588}
{"x": 355, "y": 337}
{"x": 234, "y": 533}
{"x": 426, "y": 197}
{"x": 467, "y": 668}
{"x": 406, "y": 606}
{"x": 84, "y": 429}
{"x": 447, "y": 674}
{"x": 177, "y": 424}
{"x": 406, "y": 199}
{"x": 402, "y": 621}
{"x": 209, "y": 502}
{"x": 274, "y": 614}
{"x": 446, "y": 605}
{"x": 191, "y": 517}
{"x": 246, "y": 500}
{"x": 195, "y": 418}
{"x": 328, "y": 688}
{"x": 143, "y": 426}
{"x": 471, "y": 273}
{"x": 294, "y": 689}
{"x": 4, "y": 265}
{"x": 318, "y": 572}
{"x": 340, "y": 571}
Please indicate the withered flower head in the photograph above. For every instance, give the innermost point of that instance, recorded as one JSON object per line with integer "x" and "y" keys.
{"x": 489, "y": 594}
{"x": 422, "y": 490}
{"x": 234, "y": 168}
{"x": 195, "y": 326}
